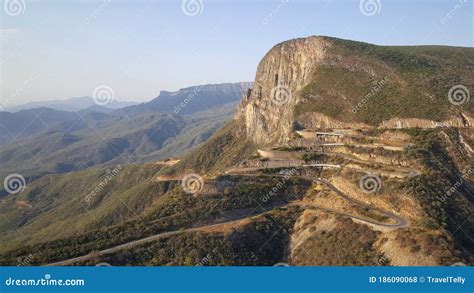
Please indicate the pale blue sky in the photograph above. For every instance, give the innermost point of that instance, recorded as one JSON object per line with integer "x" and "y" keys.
{"x": 61, "y": 49}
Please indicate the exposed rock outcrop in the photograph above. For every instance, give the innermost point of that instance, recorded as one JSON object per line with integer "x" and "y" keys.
{"x": 268, "y": 109}
{"x": 317, "y": 120}
{"x": 463, "y": 120}
{"x": 297, "y": 78}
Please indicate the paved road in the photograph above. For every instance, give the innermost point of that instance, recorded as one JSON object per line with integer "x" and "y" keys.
{"x": 403, "y": 171}
{"x": 399, "y": 221}
{"x": 161, "y": 235}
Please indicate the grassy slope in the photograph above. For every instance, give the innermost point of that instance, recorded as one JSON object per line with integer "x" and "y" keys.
{"x": 59, "y": 207}
{"x": 125, "y": 203}
{"x": 144, "y": 138}
{"x": 129, "y": 210}
{"x": 433, "y": 189}
{"x": 226, "y": 148}
{"x": 153, "y": 207}
{"x": 263, "y": 241}
{"x": 419, "y": 79}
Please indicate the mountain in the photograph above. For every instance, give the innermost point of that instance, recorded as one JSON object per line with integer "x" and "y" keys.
{"x": 71, "y": 105}
{"x": 334, "y": 83}
{"x": 386, "y": 120}
{"x": 297, "y": 177}
{"x": 33, "y": 121}
{"x": 44, "y": 141}
{"x": 192, "y": 99}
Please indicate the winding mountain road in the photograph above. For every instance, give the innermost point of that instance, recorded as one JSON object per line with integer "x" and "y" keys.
{"x": 402, "y": 171}
{"x": 399, "y": 221}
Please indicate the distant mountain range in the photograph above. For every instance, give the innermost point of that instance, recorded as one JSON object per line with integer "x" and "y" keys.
{"x": 192, "y": 99}
{"x": 42, "y": 141}
{"x": 72, "y": 105}
{"x": 401, "y": 193}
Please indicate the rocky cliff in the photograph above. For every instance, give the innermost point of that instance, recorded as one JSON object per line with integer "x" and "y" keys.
{"x": 321, "y": 82}
{"x": 268, "y": 108}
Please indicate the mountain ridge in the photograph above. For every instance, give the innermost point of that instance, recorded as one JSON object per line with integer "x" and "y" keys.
{"x": 304, "y": 71}
{"x": 71, "y": 105}
{"x": 329, "y": 189}
{"x": 191, "y": 99}
{"x": 44, "y": 141}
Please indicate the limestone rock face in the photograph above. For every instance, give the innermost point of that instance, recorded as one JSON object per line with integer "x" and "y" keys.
{"x": 463, "y": 120}
{"x": 317, "y": 120}
{"x": 267, "y": 110}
